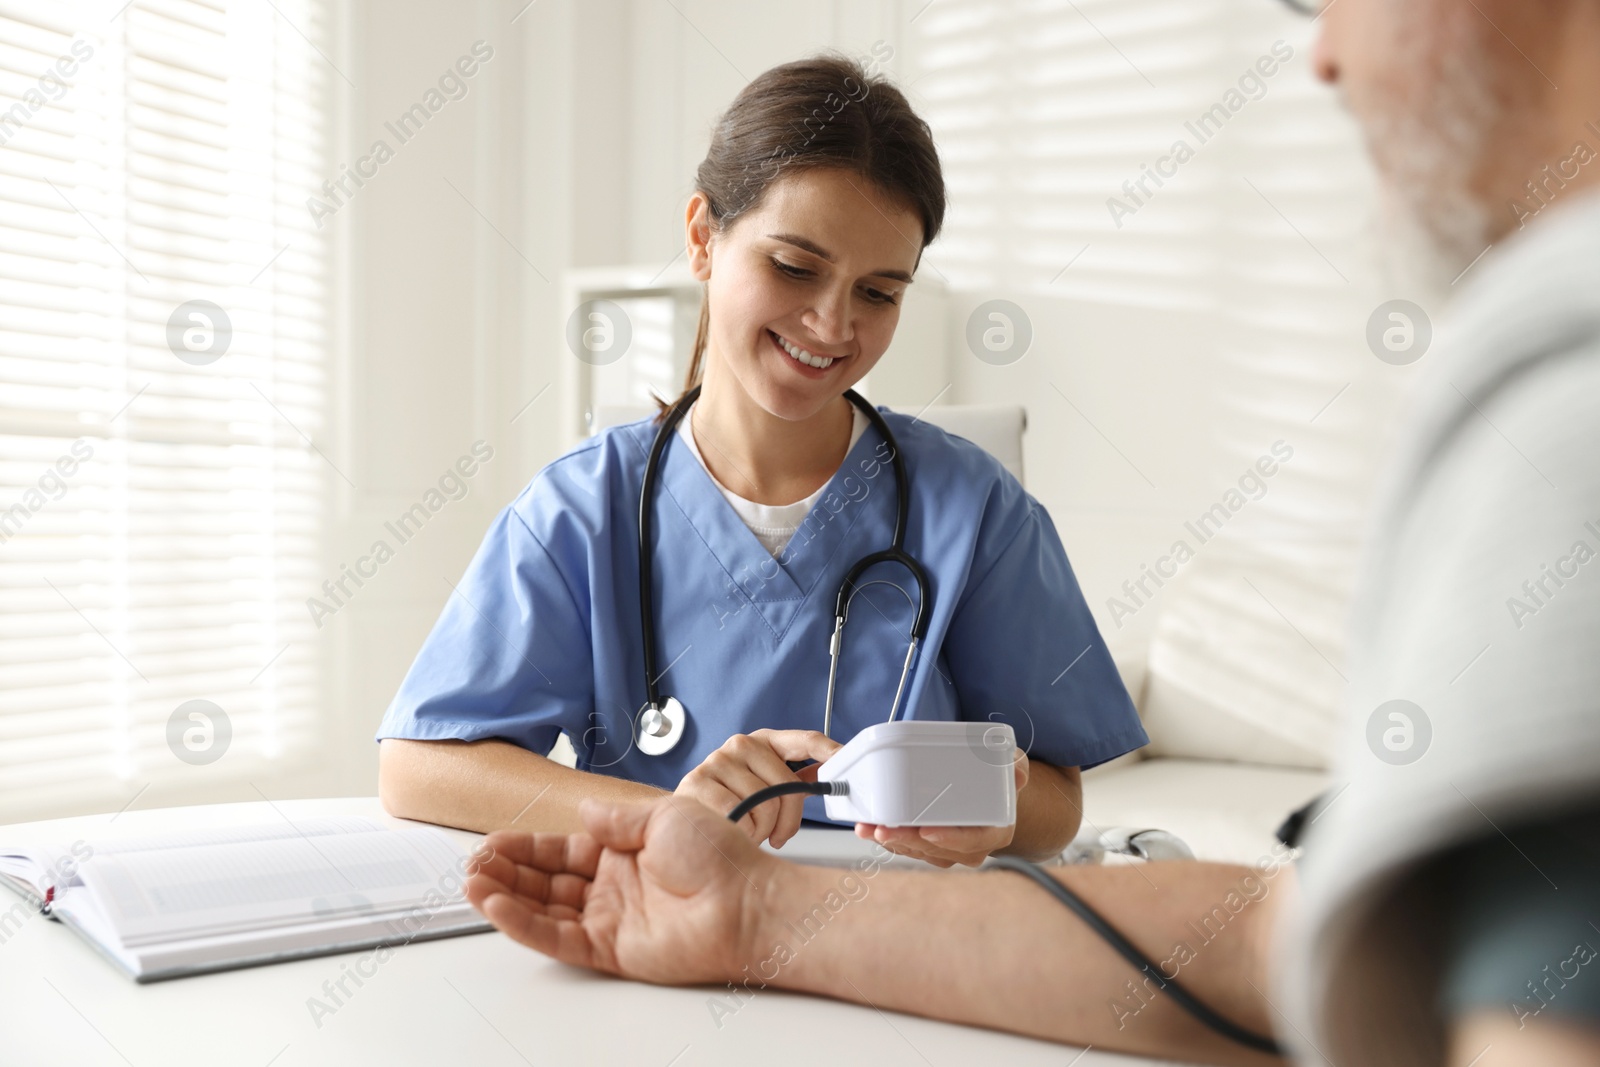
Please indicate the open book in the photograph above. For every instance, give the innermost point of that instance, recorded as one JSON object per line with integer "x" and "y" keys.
{"x": 190, "y": 902}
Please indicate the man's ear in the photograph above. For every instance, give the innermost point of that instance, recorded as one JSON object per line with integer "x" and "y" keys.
{"x": 697, "y": 236}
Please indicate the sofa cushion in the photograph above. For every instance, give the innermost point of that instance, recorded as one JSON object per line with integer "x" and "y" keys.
{"x": 1245, "y": 663}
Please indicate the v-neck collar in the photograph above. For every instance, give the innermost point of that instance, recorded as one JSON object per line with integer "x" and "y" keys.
{"x": 777, "y": 590}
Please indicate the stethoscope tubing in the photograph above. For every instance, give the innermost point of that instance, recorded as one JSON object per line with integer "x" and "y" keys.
{"x": 851, "y": 584}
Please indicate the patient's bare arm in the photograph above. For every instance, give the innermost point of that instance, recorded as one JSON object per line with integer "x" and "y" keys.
{"x": 671, "y": 892}
{"x": 993, "y": 949}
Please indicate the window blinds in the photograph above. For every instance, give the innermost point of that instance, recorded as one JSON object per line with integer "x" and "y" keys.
{"x": 162, "y": 379}
{"x": 1060, "y": 124}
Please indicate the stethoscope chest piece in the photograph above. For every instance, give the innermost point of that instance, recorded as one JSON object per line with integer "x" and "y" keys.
{"x": 659, "y": 728}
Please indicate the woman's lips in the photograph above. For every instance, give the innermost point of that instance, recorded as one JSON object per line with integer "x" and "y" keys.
{"x": 802, "y": 368}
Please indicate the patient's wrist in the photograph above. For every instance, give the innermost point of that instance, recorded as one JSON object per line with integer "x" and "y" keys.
{"x": 783, "y": 896}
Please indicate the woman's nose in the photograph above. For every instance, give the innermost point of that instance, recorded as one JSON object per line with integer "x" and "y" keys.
{"x": 829, "y": 319}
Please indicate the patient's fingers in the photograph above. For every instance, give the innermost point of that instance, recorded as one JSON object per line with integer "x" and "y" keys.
{"x": 562, "y": 938}
{"x": 567, "y": 890}
{"x": 544, "y": 890}
{"x": 576, "y": 853}
{"x": 541, "y": 869}
{"x": 480, "y": 887}
{"x": 502, "y": 871}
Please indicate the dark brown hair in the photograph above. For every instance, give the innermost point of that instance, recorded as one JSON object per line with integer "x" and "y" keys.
{"x": 825, "y": 111}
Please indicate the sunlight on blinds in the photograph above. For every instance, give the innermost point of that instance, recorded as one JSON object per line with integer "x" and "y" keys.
{"x": 162, "y": 344}
{"x": 1040, "y": 120}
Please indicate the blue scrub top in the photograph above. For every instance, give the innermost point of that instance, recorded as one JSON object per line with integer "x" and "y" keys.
{"x": 543, "y": 633}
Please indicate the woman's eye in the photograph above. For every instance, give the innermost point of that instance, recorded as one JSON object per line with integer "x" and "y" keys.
{"x": 877, "y": 296}
{"x": 791, "y": 270}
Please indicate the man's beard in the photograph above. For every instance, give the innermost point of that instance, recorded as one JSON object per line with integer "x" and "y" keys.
{"x": 1432, "y": 152}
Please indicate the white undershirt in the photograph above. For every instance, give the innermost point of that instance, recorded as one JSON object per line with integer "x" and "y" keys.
{"x": 773, "y": 524}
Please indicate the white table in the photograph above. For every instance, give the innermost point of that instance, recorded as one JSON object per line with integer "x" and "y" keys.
{"x": 480, "y": 1000}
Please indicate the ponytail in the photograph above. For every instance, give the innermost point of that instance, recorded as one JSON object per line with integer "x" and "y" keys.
{"x": 697, "y": 358}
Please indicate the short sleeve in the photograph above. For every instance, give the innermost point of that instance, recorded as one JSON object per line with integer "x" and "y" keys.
{"x": 509, "y": 657}
{"x": 1024, "y": 649}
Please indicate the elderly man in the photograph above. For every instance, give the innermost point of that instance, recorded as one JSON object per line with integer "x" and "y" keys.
{"x": 1446, "y": 909}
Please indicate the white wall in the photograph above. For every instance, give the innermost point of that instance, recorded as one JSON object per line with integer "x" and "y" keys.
{"x": 454, "y": 292}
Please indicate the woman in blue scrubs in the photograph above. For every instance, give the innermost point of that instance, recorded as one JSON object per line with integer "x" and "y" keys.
{"x": 811, "y": 209}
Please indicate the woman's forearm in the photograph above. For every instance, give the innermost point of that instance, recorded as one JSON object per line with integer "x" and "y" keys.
{"x": 1049, "y": 809}
{"x": 490, "y": 785}
{"x": 993, "y": 949}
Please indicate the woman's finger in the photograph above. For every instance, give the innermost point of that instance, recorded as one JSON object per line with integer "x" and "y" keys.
{"x": 768, "y": 761}
{"x": 967, "y": 845}
{"x": 930, "y": 856}
{"x": 760, "y": 756}
{"x": 749, "y": 764}
{"x": 799, "y": 744}
{"x": 708, "y": 790}
{"x": 791, "y": 810}
{"x": 721, "y": 784}
{"x": 949, "y": 845}
{"x": 768, "y": 754}
{"x": 963, "y": 839}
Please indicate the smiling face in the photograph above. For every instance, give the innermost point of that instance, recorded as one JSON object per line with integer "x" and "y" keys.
{"x": 805, "y": 289}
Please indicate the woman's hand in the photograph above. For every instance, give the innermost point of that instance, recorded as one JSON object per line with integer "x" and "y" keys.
{"x": 662, "y": 892}
{"x": 945, "y": 846}
{"x": 748, "y": 762}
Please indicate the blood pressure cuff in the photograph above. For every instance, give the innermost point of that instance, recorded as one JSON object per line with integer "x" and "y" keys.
{"x": 1521, "y": 934}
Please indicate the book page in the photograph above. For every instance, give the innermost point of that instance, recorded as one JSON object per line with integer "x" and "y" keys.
{"x": 320, "y": 826}
{"x": 186, "y": 892}
{"x": 33, "y": 870}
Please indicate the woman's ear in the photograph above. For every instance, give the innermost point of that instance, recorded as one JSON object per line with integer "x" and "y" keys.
{"x": 697, "y": 234}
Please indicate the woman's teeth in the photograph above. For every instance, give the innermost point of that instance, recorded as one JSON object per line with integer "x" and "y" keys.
{"x": 802, "y": 356}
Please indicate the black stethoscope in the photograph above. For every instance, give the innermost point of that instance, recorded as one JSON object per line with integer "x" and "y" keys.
{"x": 661, "y": 723}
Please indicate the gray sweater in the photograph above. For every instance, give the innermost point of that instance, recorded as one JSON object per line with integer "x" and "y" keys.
{"x": 1479, "y": 603}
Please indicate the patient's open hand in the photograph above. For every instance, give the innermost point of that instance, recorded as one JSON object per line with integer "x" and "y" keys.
{"x": 660, "y": 892}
